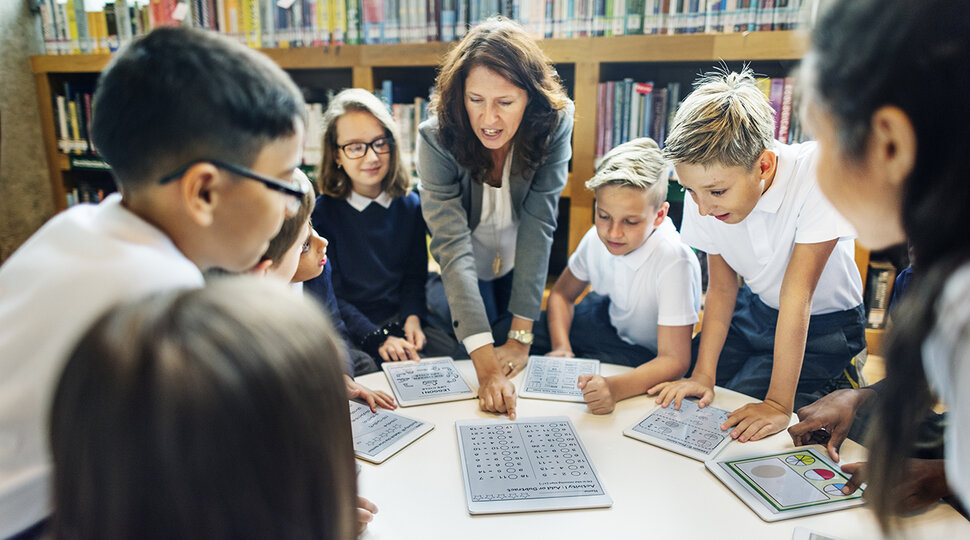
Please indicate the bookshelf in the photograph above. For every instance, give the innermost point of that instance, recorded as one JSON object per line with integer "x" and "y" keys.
{"x": 582, "y": 62}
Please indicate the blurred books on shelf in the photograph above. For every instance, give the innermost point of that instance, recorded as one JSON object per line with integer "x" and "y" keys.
{"x": 101, "y": 26}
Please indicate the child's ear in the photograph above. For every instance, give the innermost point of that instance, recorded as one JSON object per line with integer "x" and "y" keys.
{"x": 661, "y": 214}
{"x": 892, "y": 144}
{"x": 767, "y": 163}
{"x": 262, "y": 268}
{"x": 199, "y": 189}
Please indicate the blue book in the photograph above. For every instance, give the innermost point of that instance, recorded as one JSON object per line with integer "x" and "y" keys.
{"x": 626, "y": 96}
{"x": 447, "y": 18}
{"x": 387, "y": 93}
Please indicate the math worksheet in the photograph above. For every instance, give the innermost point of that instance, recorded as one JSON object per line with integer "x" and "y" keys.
{"x": 430, "y": 380}
{"x": 789, "y": 484}
{"x": 548, "y": 377}
{"x": 692, "y": 431}
{"x": 527, "y": 465}
{"x": 380, "y": 435}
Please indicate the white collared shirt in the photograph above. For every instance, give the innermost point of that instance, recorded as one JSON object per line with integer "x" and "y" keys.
{"x": 792, "y": 211}
{"x": 79, "y": 264}
{"x": 659, "y": 283}
{"x": 946, "y": 360}
{"x": 360, "y": 202}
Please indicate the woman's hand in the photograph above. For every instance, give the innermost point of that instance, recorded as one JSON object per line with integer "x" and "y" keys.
{"x": 497, "y": 394}
{"x": 512, "y": 357}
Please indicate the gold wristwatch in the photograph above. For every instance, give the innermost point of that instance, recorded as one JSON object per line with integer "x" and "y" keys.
{"x": 524, "y": 337}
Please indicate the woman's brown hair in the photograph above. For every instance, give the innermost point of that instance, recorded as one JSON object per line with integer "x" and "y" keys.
{"x": 501, "y": 46}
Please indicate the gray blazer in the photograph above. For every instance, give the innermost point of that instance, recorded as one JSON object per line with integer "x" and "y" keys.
{"x": 452, "y": 205}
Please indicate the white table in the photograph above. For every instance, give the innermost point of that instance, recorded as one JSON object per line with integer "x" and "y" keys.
{"x": 656, "y": 493}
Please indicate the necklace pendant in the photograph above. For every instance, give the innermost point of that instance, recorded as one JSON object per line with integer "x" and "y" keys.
{"x": 497, "y": 264}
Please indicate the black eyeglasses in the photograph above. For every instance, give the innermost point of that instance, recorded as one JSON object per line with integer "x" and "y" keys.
{"x": 295, "y": 190}
{"x": 357, "y": 150}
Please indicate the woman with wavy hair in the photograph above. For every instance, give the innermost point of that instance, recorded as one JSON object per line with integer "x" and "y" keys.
{"x": 493, "y": 160}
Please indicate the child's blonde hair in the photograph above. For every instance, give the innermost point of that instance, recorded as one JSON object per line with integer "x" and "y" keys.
{"x": 726, "y": 121}
{"x": 637, "y": 164}
{"x": 292, "y": 226}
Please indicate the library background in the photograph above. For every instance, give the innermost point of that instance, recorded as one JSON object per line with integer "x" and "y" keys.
{"x": 625, "y": 63}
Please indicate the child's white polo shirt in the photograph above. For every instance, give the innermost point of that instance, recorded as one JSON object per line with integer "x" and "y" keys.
{"x": 659, "y": 283}
{"x": 793, "y": 210}
{"x": 79, "y": 264}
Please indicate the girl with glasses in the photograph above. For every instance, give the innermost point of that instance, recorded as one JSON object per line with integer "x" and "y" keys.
{"x": 376, "y": 232}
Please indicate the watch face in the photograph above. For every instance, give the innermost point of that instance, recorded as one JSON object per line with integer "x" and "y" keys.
{"x": 522, "y": 336}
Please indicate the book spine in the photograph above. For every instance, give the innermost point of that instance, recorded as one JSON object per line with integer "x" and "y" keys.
{"x": 646, "y": 120}
{"x": 627, "y": 97}
{"x": 784, "y": 121}
{"x": 775, "y": 96}
{"x": 353, "y": 18}
{"x": 600, "y": 119}
{"x": 879, "y": 282}
{"x": 659, "y": 120}
{"x": 63, "y": 132}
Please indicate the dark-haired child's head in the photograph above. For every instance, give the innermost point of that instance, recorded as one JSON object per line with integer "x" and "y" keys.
{"x": 203, "y": 135}
{"x": 886, "y": 98}
{"x": 631, "y": 194}
{"x": 208, "y": 413}
{"x": 283, "y": 254}
{"x": 179, "y": 95}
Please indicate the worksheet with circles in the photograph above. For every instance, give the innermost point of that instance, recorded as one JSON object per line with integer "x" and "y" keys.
{"x": 527, "y": 465}
{"x": 430, "y": 380}
{"x": 691, "y": 431}
{"x": 784, "y": 485}
{"x": 548, "y": 377}
{"x": 380, "y": 435}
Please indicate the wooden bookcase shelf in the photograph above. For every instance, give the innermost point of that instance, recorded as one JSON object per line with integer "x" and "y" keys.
{"x": 581, "y": 57}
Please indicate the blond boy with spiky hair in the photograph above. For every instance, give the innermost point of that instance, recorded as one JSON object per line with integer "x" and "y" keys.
{"x": 645, "y": 281}
{"x": 756, "y": 210}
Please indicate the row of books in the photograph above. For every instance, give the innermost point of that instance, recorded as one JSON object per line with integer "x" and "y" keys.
{"x": 86, "y": 193}
{"x": 781, "y": 95}
{"x": 72, "y": 110}
{"x": 627, "y": 110}
{"x": 98, "y": 26}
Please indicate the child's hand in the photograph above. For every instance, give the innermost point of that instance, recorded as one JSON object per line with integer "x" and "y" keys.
{"x": 413, "y": 332}
{"x": 562, "y": 353}
{"x": 757, "y": 420}
{"x": 676, "y": 391}
{"x": 597, "y": 393}
{"x": 397, "y": 349}
{"x": 374, "y": 398}
{"x": 365, "y": 513}
{"x": 832, "y": 413}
